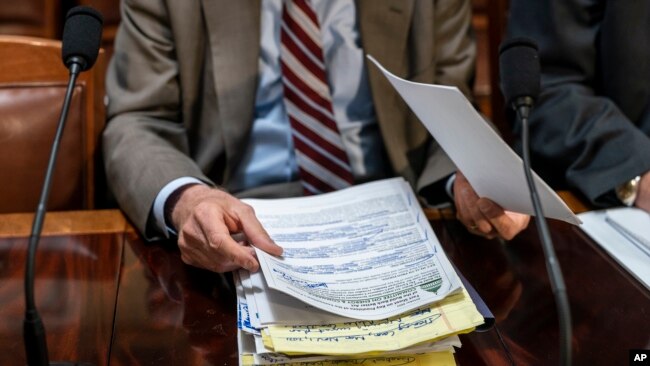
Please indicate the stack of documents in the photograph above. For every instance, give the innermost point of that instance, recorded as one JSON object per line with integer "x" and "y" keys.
{"x": 362, "y": 276}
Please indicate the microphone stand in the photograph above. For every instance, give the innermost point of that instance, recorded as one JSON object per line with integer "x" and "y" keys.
{"x": 522, "y": 106}
{"x": 33, "y": 329}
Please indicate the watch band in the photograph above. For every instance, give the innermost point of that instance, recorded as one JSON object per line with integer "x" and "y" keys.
{"x": 628, "y": 191}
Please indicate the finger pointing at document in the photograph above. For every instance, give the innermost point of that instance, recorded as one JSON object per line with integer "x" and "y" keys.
{"x": 206, "y": 218}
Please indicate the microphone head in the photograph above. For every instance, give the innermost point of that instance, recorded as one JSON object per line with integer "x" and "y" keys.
{"x": 519, "y": 69}
{"x": 82, "y": 35}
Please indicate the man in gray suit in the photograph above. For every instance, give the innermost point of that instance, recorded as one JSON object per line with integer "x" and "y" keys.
{"x": 590, "y": 129}
{"x": 195, "y": 102}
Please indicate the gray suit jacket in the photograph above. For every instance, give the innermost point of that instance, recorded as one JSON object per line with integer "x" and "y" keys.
{"x": 182, "y": 82}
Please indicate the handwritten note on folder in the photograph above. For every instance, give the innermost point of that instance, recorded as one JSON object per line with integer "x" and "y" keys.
{"x": 454, "y": 315}
{"x": 490, "y": 165}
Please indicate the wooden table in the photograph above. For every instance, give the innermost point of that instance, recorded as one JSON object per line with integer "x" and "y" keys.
{"x": 78, "y": 266}
{"x": 107, "y": 297}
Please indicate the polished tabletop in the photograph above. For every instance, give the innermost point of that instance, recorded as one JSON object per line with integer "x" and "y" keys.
{"x": 107, "y": 297}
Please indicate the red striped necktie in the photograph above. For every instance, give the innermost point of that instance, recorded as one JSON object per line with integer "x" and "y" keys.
{"x": 322, "y": 161}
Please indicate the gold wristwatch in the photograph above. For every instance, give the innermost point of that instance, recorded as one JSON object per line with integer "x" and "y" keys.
{"x": 628, "y": 191}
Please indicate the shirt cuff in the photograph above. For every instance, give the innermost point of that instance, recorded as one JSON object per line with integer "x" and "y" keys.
{"x": 161, "y": 199}
{"x": 449, "y": 186}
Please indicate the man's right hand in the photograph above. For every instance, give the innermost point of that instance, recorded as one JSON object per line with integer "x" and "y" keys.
{"x": 205, "y": 218}
{"x": 643, "y": 196}
{"x": 482, "y": 216}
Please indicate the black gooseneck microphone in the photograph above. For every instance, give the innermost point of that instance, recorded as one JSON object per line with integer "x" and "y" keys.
{"x": 520, "y": 82}
{"x": 81, "y": 40}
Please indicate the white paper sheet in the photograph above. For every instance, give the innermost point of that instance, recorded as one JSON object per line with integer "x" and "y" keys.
{"x": 277, "y": 308}
{"x": 253, "y": 313}
{"x": 630, "y": 254}
{"x": 366, "y": 252}
{"x": 490, "y": 165}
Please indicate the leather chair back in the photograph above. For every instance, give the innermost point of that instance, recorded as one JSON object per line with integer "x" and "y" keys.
{"x": 33, "y": 81}
{"x": 35, "y": 18}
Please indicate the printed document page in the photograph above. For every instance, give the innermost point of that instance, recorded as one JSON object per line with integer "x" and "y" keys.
{"x": 625, "y": 234}
{"x": 366, "y": 252}
{"x": 277, "y": 308}
{"x": 490, "y": 165}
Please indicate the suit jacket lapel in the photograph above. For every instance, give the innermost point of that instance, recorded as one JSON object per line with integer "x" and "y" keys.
{"x": 234, "y": 38}
{"x": 384, "y": 27}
